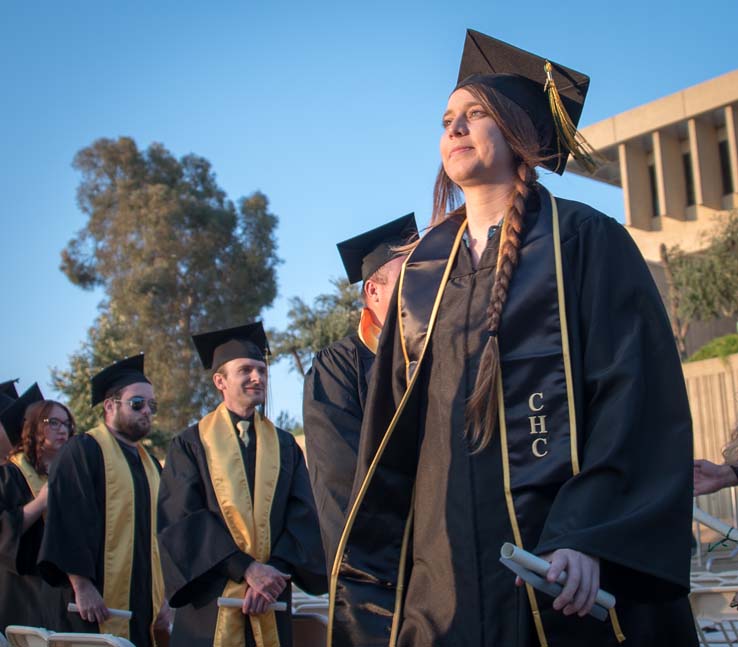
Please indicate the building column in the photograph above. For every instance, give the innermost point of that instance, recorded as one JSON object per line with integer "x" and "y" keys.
{"x": 636, "y": 185}
{"x": 705, "y": 164}
{"x": 731, "y": 130}
{"x": 667, "y": 159}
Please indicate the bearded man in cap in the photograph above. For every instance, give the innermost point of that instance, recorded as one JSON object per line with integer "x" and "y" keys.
{"x": 236, "y": 513}
{"x": 101, "y": 520}
{"x": 336, "y": 384}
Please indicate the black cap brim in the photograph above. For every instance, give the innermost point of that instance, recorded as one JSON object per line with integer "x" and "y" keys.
{"x": 364, "y": 254}
{"x": 521, "y": 77}
{"x": 115, "y": 377}
{"x": 8, "y": 389}
{"x": 217, "y": 347}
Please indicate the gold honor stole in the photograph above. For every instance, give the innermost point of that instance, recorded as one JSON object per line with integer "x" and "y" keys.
{"x": 120, "y": 515}
{"x": 247, "y": 521}
{"x": 34, "y": 480}
{"x": 369, "y": 331}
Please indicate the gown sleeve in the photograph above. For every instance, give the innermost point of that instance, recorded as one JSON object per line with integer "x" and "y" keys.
{"x": 630, "y": 505}
{"x": 332, "y": 420}
{"x": 74, "y": 533}
{"x": 194, "y": 543}
{"x": 298, "y": 548}
{"x": 18, "y": 549}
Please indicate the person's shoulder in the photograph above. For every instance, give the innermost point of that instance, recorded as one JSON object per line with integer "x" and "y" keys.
{"x": 578, "y": 219}
{"x": 341, "y": 353}
{"x": 187, "y": 438}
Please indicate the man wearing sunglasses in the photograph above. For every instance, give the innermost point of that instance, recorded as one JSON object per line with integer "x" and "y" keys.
{"x": 100, "y": 533}
{"x": 236, "y": 513}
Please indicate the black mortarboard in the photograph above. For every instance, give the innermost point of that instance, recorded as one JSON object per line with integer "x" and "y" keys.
{"x": 8, "y": 389}
{"x": 242, "y": 342}
{"x": 364, "y": 254}
{"x": 116, "y": 377}
{"x": 552, "y": 95}
{"x": 13, "y": 416}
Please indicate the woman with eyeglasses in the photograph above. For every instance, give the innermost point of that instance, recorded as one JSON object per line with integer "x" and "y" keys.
{"x": 25, "y": 599}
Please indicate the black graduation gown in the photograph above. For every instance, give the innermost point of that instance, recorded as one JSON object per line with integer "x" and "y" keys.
{"x": 25, "y": 599}
{"x": 630, "y": 505}
{"x": 198, "y": 553}
{"x": 74, "y": 539}
{"x": 333, "y": 406}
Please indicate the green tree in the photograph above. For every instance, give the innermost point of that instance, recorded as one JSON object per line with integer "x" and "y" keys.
{"x": 704, "y": 285}
{"x": 310, "y": 328}
{"x": 174, "y": 256}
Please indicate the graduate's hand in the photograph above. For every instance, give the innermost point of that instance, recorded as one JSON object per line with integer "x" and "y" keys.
{"x": 265, "y": 584}
{"x": 582, "y": 580}
{"x": 89, "y": 601}
{"x": 164, "y": 620}
{"x": 710, "y": 477}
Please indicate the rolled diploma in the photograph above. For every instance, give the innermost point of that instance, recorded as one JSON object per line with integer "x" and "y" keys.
{"x": 237, "y": 603}
{"x": 541, "y": 566}
{"x": 116, "y": 613}
{"x": 718, "y": 526}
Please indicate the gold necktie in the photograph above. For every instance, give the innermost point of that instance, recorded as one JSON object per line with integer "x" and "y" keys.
{"x": 243, "y": 431}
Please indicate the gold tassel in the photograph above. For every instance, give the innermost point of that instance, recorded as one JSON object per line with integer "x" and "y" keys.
{"x": 578, "y": 146}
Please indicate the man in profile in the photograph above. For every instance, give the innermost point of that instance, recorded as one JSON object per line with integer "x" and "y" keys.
{"x": 336, "y": 384}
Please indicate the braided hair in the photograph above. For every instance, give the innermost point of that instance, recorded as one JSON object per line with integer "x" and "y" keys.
{"x": 520, "y": 134}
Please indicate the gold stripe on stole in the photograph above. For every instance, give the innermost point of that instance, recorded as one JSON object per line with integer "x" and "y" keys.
{"x": 34, "y": 480}
{"x": 388, "y": 434}
{"x": 511, "y": 506}
{"x": 619, "y": 635}
{"x": 248, "y": 524}
{"x": 120, "y": 516}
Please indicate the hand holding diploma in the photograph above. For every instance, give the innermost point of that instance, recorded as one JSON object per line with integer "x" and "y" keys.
{"x": 571, "y": 577}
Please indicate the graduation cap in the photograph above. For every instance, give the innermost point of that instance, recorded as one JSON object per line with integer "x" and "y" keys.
{"x": 13, "y": 416}
{"x": 8, "y": 389}
{"x": 217, "y": 347}
{"x": 364, "y": 254}
{"x": 551, "y": 95}
{"x": 116, "y": 377}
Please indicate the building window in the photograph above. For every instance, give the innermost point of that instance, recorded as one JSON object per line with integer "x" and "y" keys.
{"x": 725, "y": 173}
{"x": 688, "y": 177}
{"x": 655, "y": 211}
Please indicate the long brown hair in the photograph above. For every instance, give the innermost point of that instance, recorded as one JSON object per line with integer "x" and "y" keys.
{"x": 520, "y": 134}
{"x": 32, "y": 437}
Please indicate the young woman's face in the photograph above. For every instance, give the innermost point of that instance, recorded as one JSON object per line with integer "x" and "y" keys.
{"x": 56, "y": 429}
{"x": 473, "y": 150}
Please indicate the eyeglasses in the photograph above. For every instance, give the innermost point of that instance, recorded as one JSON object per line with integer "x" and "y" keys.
{"x": 56, "y": 424}
{"x": 137, "y": 403}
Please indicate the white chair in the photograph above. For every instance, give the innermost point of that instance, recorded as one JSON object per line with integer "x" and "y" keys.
{"x": 19, "y": 636}
{"x": 717, "y": 622}
{"x": 87, "y": 640}
{"x": 309, "y": 630}
{"x": 317, "y": 608}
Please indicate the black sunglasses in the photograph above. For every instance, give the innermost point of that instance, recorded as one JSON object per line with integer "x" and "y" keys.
{"x": 137, "y": 403}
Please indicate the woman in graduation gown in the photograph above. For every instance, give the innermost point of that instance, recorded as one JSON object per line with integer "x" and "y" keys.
{"x": 526, "y": 389}
{"x": 25, "y": 599}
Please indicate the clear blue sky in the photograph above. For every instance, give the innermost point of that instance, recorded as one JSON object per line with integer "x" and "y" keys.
{"x": 330, "y": 108}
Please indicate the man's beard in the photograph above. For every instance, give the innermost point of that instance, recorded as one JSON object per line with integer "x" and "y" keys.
{"x": 133, "y": 430}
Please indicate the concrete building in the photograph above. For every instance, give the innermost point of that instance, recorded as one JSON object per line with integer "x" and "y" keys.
{"x": 676, "y": 160}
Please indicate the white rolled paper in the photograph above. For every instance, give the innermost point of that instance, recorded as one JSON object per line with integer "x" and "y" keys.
{"x": 718, "y": 526}
{"x": 237, "y": 603}
{"x": 116, "y": 613}
{"x": 540, "y": 566}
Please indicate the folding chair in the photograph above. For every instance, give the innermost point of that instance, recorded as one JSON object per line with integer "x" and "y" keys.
{"x": 309, "y": 630}
{"x": 87, "y": 640}
{"x": 19, "y": 636}
{"x": 717, "y": 622}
